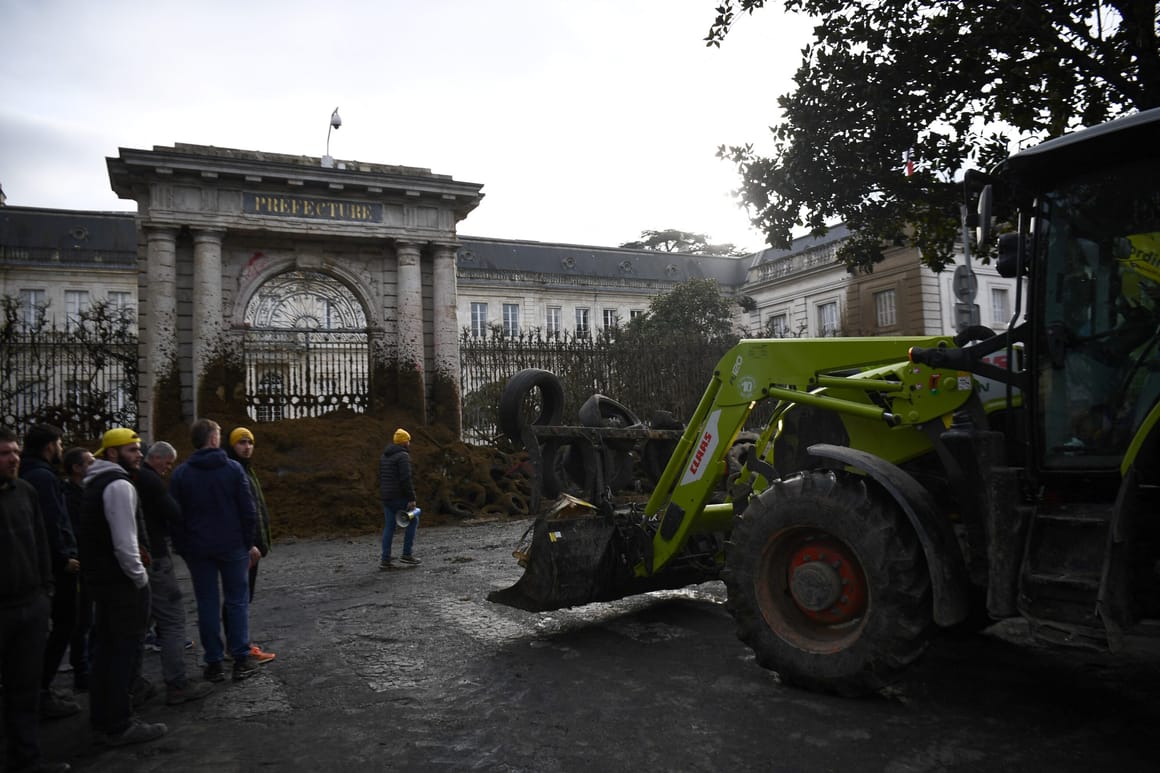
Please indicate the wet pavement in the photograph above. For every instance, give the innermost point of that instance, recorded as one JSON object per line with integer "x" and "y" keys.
{"x": 413, "y": 669}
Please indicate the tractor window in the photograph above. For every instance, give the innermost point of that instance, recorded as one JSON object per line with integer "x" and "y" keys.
{"x": 1099, "y": 361}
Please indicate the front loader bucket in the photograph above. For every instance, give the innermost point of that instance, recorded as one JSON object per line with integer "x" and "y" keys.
{"x": 578, "y": 555}
{"x": 575, "y": 557}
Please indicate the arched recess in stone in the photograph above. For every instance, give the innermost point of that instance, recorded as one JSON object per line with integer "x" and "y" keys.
{"x": 305, "y": 347}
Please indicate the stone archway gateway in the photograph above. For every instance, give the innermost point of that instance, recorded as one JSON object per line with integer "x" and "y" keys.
{"x": 305, "y": 348}
{"x": 218, "y": 225}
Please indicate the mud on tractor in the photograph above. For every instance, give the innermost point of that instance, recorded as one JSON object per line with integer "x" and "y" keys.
{"x": 889, "y": 495}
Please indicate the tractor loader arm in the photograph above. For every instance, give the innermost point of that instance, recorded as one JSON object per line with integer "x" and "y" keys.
{"x": 867, "y": 381}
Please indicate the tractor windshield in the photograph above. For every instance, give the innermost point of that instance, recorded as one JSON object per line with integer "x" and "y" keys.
{"x": 1099, "y": 359}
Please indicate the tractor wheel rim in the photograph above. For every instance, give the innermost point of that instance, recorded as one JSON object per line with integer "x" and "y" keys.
{"x": 812, "y": 590}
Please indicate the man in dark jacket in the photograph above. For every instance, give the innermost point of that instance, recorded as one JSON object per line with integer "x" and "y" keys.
{"x": 25, "y": 587}
{"x": 114, "y": 556}
{"x": 39, "y": 467}
{"x": 217, "y": 537}
{"x": 397, "y": 492}
{"x": 165, "y": 599}
{"x": 241, "y": 450}
{"x": 76, "y": 464}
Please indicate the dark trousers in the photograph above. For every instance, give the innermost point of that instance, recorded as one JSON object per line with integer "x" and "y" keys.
{"x": 120, "y": 619}
{"x": 64, "y": 617}
{"x": 80, "y": 647}
{"x": 23, "y": 629}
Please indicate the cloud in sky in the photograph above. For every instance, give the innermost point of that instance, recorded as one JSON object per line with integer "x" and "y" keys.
{"x": 586, "y": 122}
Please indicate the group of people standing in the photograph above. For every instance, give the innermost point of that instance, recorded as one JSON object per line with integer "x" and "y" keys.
{"x": 86, "y": 566}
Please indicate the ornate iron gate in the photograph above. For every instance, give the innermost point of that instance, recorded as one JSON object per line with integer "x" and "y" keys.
{"x": 305, "y": 349}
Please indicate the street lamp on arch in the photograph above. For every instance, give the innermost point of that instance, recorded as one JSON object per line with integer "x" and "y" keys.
{"x": 335, "y": 123}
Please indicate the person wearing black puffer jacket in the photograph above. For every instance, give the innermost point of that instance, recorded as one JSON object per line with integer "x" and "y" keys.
{"x": 397, "y": 492}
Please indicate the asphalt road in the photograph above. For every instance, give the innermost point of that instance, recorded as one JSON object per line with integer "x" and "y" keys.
{"x": 414, "y": 670}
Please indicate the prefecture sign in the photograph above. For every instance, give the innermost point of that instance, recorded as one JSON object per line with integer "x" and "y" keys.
{"x": 276, "y": 205}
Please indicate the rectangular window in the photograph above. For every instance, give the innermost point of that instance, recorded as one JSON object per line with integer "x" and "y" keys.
{"x": 828, "y": 319}
{"x": 1000, "y": 306}
{"x": 478, "y": 319}
{"x": 583, "y": 326}
{"x": 76, "y": 303}
{"x": 553, "y": 321}
{"x": 634, "y": 313}
{"x": 120, "y": 299}
{"x": 511, "y": 319}
{"x": 74, "y": 392}
{"x": 611, "y": 319}
{"x": 118, "y": 397}
{"x": 32, "y": 306}
{"x": 778, "y": 326}
{"x": 884, "y": 308}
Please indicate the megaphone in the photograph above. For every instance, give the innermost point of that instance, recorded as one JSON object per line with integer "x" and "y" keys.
{"x": 404, "y": 517}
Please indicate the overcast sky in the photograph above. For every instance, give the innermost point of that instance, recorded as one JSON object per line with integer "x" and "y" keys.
{"x": 586, "y": 121}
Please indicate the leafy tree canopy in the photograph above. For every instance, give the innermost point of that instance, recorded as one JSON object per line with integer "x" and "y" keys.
{"x": 693, "y": 308}
{"x": 950, "y": 82}
{"x": 672, "y": 240}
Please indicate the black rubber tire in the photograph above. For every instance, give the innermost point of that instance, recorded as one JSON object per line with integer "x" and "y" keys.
{"x": 601, "y": 411}
{"x": 863, "y": 529}
{"x": 515, "y": 393}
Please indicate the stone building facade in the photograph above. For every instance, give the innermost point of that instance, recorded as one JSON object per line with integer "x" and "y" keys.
{"x": 217, "y": 226}
{"x": 277, "y": 286}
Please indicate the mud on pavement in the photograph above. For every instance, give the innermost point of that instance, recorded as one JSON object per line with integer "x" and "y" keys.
{"x": 413, "y": 669}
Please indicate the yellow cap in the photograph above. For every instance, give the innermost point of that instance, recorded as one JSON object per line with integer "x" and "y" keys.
{"x": 239, "y": 433}
{"x": 402, "y": 436}
{"x": 115, "y": 438}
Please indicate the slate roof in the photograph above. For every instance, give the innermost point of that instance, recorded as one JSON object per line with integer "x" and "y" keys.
{"x": 597, "y": 262}
{"x": 76, "y": 237}
{"x": 802, "y": 244}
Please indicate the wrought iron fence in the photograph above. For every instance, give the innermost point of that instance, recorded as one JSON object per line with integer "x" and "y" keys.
{"x": 644, "y": 374}
{"x": 81, "y": 378}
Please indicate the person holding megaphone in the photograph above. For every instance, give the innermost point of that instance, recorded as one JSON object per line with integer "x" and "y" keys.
{"x": 397, "y": 492}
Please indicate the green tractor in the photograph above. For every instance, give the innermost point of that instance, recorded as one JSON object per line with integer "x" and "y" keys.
{"x": 888, "y": 495}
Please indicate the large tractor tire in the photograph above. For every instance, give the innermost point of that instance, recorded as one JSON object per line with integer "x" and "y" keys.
{"x": 828, "y": 584}
{"x": 532, "y": 396}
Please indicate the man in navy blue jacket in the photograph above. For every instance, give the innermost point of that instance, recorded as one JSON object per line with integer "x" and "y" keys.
{"x": 216, "y": 534}
{"x": 39, "y": 465}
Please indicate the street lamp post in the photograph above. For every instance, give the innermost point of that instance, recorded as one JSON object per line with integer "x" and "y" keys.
{"x": 335, "y": 123}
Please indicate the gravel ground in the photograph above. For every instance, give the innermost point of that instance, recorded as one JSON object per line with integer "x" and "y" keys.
{"x": 413, "y": 669}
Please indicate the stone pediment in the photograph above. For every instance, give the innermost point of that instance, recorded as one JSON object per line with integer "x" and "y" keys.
{"x": 198, "y": 185}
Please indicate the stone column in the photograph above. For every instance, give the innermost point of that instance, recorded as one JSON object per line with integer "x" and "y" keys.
{"x": 207, "y": 313}
{"x": 445, "y": 407}
{"x": 409, "y": 305}
{"x": 159, "y": 384}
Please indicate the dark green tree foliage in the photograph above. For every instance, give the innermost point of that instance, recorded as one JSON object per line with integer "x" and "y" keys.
{"x": 694, "y": 308}
{"x": 672, "y": 240}
{"x": 951, "y": 81}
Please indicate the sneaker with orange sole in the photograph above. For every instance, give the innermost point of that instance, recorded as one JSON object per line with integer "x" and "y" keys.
{"x": 262, "y": 657}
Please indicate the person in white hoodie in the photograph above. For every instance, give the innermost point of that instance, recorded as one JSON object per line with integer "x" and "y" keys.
{"x": 114, "y": 555}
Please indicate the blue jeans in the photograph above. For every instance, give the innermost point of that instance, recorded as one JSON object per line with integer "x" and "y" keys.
{"x": 389, "y": 510}
{"x": 233, "y": 568}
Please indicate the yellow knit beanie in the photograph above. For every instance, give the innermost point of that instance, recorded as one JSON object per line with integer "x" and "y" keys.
{"x": 402, "y": 436}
